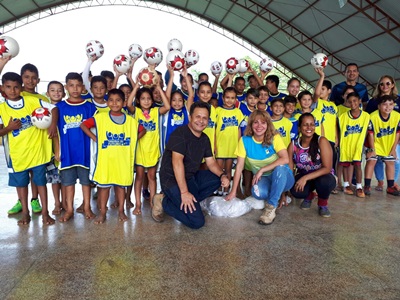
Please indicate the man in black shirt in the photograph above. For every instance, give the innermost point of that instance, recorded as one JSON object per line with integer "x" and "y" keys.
{"x": 183, "y": 184}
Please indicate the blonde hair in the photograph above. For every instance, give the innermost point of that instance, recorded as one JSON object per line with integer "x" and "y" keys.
{"x": 377, "y": 91}
{"x": 263, "y": 116}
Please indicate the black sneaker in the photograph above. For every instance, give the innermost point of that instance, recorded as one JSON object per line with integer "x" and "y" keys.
{"x": 306, "y": 204}
{"x": 146, "y": 194}
{"x": 324, "y": 211}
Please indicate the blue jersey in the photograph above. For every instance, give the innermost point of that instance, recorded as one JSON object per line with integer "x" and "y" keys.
{"x": 175, "y": 119}
{"x": 337, "y": 91}
{"x": 74, "y": 143}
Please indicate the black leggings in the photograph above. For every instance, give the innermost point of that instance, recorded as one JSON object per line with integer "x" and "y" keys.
{"x": 324, "y": 185}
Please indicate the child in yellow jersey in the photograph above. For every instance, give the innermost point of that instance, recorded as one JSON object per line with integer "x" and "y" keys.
{"x": 383, "y": 137}
{"x": 148, "y": 148}
{"x": 305, "y": 100}
{"x": 116, "y": 138}
{"x": 55, "y": 91}
{"x": 27, "y": 148}
{"x": 353, "y": 127}
{"x": 283, "y": 125}
{"x": 228, "y": 132}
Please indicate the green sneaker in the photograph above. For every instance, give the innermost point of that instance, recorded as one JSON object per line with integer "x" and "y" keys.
{"x": 17, "y": 208}
{"x": 36, "y": 208}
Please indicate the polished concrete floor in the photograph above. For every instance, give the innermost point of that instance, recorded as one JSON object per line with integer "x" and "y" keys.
{"x": 352, "y": 255}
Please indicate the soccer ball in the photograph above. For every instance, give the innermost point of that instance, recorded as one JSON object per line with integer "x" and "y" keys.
{"x": 319, "y": 60}
{"x": 135, "y": 51}
{"x": 176, "y": 60}
{"x": 243, "y": 65}
{"x": 267, "y": 64}
{"x": 153, "y": 56}
{"x": 94, "y": 49}
{"x": 147, "y": 77}
{"x": 122, "y": 63}
{"x": 174, "y": 44}
{"x": 191, "y": 57}
{"x": 41, "y": 118}
{"x": 8, "y": 47}
{"x": 216, "y": 68}
{"x": 232, "y": 65}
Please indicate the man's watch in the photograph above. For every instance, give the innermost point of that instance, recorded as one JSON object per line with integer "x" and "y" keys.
{"x": 369, "y": 150}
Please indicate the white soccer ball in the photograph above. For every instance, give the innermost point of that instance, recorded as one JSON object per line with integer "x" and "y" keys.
{"x": 135, "y": 51}
{"x": 41, "y": 118}
{"x": 122, "y": 63}
{"x": 267, "y": 64}
{"x": 8, "y": 47}
{"x": 94, "y": 49}
{"x": 243, "y": 65}
{"x": 216, "y": 68}
{"x": 319, "y": 60}
{"x": 153, "y": 56}
{"x": 176, "y": 60}
{"x": 147, "y": 77}
{"x": 232, "y": 65}
{"x": 191, "y": 57}
{"x": 174, "y": 44}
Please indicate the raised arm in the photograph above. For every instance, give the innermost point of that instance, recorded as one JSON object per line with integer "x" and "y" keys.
{"x": 318, "y": 87}
{"x": 85, "y": 74}
{"x": 131, "y": 98}
{"x": 3, "y": 62}
{"x": 170, "y": 84}
{"x": 167, "y": 106}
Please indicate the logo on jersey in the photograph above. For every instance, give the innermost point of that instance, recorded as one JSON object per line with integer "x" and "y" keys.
{"x": 353, "y": 130}
{"x": 25, "y": 124}
{"x": 328, "y": 109}
{"x": 115, "y": 139}
{"x": 228, "y": 122}
{"x": 385, "y": 131}
{"x": 177, "y": 120}
{"x": 211, "y": 124}
{"x": 149, "y": 126}
{"x": 282, "y": 131}
{"x": 72, "y": 122}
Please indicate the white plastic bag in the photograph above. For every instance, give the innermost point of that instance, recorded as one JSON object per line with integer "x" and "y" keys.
{"x": 218, "y": 206}
{"x": 255, "y": 203}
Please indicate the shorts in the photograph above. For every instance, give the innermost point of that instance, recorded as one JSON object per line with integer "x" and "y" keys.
{"x": 69, "y": 176}
{"x": 348, "y": 163}
{"x": 52, "y": 174}
{"x": 388, "y": 158}
{"x": 21, "y": 179}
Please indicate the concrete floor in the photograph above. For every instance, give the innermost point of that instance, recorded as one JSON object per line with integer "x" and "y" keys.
{"x": 352, "y": 255}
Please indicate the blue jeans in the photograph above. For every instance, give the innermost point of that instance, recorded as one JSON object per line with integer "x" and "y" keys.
{"x": 379, "y": 168}
{"x": 272, "y": 186}
{"x": 201, "y": 186}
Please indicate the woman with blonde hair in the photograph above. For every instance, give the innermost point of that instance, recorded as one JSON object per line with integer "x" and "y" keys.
{"x": 263, "y": 151}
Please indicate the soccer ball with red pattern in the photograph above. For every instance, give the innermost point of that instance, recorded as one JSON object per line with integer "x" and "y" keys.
{"x": 8, "y": 47}
{"x": 267, "y": 64}
{"x": 216, "y": 68}
{"x": 147, "y": 77}
{"x": 176, "y": 60}
{"x": 41, "y": 118}
{"x": 174, "y": 44}
{"x": 191, "y": 57}
{"x": 122, "y": 63}
{"x": 94, "y": 49}
{"x": 319, "y": 60}
{"x": 232, "y": 65}
{"x": 135, "y": 51}
{"x": 243, "y": 65}
{"x": 153, "y": 56}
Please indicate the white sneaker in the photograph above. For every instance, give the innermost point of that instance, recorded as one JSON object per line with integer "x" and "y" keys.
{"x": 268, "y": 215}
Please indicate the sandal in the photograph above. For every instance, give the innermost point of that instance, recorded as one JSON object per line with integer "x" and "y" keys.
{"x": 379, "y": 187}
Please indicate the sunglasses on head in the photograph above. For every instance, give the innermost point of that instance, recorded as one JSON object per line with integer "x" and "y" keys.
{"x": 387, "y": 83}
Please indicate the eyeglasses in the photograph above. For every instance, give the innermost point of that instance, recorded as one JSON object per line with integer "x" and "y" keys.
{"x": 387, "y": 83}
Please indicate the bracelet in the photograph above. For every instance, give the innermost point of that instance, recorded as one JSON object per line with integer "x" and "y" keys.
{"x": 220, "y": 176}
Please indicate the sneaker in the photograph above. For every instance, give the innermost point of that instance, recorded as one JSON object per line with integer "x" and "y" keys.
{"x": 360, "y": 193}
{"x": 392, "y": 191}
{"x": 146, "y": 194}
{"x": 17, "y": 208}
{"x": 157, "y": 212}
{"x": 379, "y": 187}
{"x": 306, "y": 204}
{"x": 36, "y": 208}
{"x": 268, "y": 215}
{"x": 348, "y": 190}
{"x": 367, "y": 190}
{"x": 324, "y": 211}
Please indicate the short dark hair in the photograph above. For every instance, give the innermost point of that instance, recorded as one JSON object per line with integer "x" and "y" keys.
{"x": 11, "y": 76}
{"x": 108, "y": 74}
{"x": 386, "y": 98}
{"x": 117, "y": 92}
{"x": 274, "y": 79}
{"x": 250, "y": 77}
{"x": 351, "y": 64}
{"x": 54, "y": 82}
{"x": 239, "y": 78}
{"x": 181, "y": 77}
{"x": 353, "y": 94}
{"x": 204, "y": 83}
{"x": 199, "y": 104}
{"x": 303, "y": 93}
{"x": 327, "y": 84}
{"x": 98, "y": 78}
{"x": 202, "y": 74}
{"x": 229, "y": 89}
{"x": 290, "y": 99}
{"x": 253, "y": 92}
{"x": 262, "y": 88}
{"x": 30, "y": 67}
{"x": 73, "y": 76}
{"x": 125, "y": 85}
{"x": 277, "y": 100}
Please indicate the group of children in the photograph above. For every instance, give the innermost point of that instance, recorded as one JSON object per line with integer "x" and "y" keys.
{"x": 101, "y": 134}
